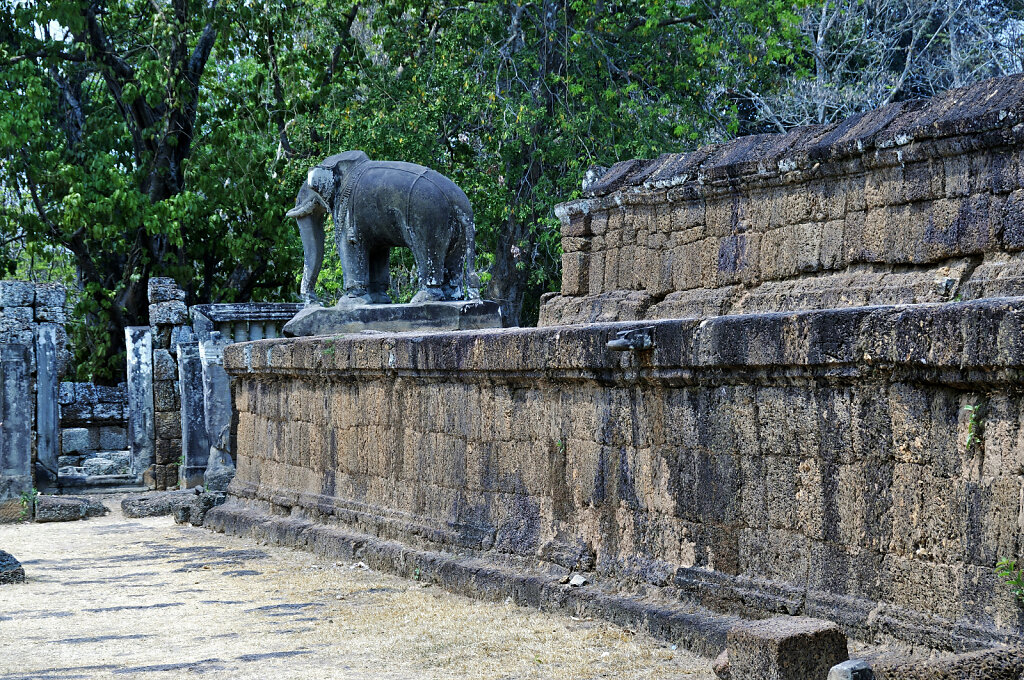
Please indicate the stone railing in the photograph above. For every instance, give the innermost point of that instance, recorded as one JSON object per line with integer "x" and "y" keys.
{"x": 243, "y": 321}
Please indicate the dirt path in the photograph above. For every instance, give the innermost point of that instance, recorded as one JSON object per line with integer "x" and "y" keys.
{"x": 141, "y": 598}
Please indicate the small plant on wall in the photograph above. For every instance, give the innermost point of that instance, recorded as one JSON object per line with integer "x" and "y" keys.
{"x": 1013, "y": 575}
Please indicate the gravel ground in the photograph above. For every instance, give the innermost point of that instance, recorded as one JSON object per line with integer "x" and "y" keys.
{"x": 113, "y": 597}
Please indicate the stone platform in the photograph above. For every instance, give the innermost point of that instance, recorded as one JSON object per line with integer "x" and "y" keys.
{"x": 427, "y": 317}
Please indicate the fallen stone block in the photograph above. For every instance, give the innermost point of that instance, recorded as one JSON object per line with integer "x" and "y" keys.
{"x": 785, "y": 648}
{"x": 187, "y": 505}
{"x": 195, "y": 511}
{"x": 67, "y": 508}
{"x": 11, "y": 570}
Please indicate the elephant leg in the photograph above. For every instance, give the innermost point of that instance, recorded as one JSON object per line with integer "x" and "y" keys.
{"x": 430, "y": 269}
{"x": 311, "y": 229}
{"x": 380, "y": 275}
{"x": 355, "y": 263}
{"x": 454, "y": 268}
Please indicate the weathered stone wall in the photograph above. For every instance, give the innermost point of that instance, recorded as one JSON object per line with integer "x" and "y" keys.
{"x": 32, "y": 316}
{"x": 920, "y": 201}
{"x": 814, "y": 462}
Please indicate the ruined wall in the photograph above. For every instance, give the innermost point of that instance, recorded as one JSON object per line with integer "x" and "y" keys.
{"x": 813, "y": 463}
{"x": 920, "y": 201}
{"x": 836, "y": 450}
{"x": 168, "y": 318}
{"x": 32, "y": 328}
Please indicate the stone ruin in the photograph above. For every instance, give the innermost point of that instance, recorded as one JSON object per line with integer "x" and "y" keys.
{"x": 781, "y": 379}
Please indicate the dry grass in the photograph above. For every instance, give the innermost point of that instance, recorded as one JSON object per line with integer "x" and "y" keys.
{"x": 121, "y": 598}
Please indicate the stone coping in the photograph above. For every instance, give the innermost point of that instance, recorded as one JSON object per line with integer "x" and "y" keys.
{"x": 979, "y": 341}
{"x": 991, "y": 110}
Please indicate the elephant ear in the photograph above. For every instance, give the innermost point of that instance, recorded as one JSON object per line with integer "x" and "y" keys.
{"x": 307, "y": 202}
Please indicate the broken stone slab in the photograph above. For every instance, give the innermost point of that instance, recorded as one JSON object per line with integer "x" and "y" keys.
{"x": 785, "y": 648}
{"x": 67, "y": 508}
{"x": 427, "y": 317}
{"x": 11, "y": 570}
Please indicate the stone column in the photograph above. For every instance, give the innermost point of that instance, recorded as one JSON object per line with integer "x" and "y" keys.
{"x": 195, "y": 444}
{"x": 16, "y": 429}
{"x": 220, "y": 468}
{"x": 47, "y": 407}
{"x": 141, "y": 423}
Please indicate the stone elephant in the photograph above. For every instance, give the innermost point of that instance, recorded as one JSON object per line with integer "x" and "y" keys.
{"x": 379, "y": 205}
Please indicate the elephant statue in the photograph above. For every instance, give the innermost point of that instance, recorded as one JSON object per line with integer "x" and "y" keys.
{"x": 377, "y": 206}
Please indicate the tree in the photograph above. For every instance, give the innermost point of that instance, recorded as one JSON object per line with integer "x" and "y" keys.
{"x": 114, "y": 150}
{"x": 869, "y": 53}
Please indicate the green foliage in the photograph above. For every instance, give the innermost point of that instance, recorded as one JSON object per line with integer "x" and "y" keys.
{"x": 28, "y": 503}
{"x": 1013, "y": 574}
{"x": 975, "y": 425}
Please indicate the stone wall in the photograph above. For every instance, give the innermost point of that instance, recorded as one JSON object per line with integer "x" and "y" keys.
{"x": 32, "y": 328}
{"x": 839, "y": 450}
{"x": 916, "y": 202}
{"x": 813, "y": 463}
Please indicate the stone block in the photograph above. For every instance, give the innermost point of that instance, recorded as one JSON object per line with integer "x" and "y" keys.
{"x": 422, "y": 317}
{"x": 173, "y": 313}
{"x": 19, "y": 315}
{"x": 167, "y": 451}
{"x": 785, "y": 648}
{"x": 106, "y": 412}
{"x": 113, "y": 438}
{"x": 66, "y": 394}
{"x": 168, "y": 425}
{"x": 164, "y": 289}
{"x": 116, "y": 394}
{"x": 16, "y": 294}
{"x": 575, "y": 273}
{"x": 79, "y": 440}
{"x": 165, "y": 395}
{"x": 67, "y": 508}
{"x": 76, "y": 412}
{"x": 164, "y": 365}
{"x": 99, "y": 466}
{"x": 50, "y": 295}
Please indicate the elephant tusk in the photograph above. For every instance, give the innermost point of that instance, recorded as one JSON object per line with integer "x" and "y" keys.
{"x": 307, "y": 207}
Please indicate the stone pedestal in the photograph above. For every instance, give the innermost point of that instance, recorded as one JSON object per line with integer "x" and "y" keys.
{"x": 427, "y": 317}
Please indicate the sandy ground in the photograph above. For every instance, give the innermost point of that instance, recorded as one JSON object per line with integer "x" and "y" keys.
{"x": 113, "y": 597}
